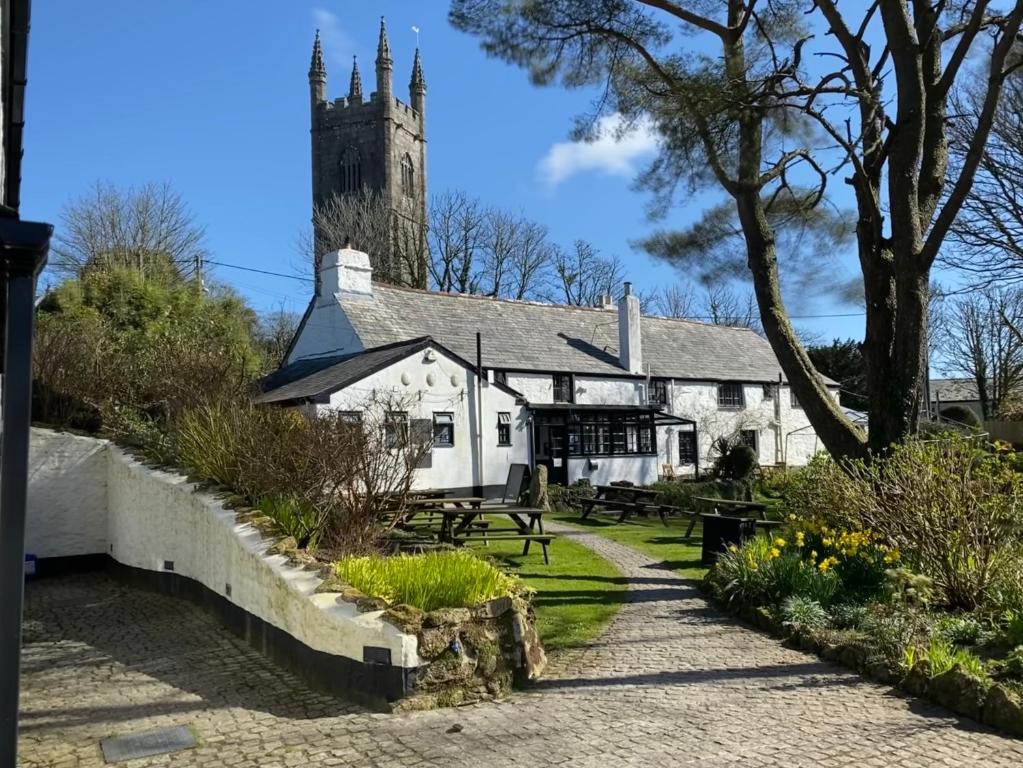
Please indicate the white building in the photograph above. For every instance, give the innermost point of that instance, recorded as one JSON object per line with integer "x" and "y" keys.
{"x": 600, "y": 393}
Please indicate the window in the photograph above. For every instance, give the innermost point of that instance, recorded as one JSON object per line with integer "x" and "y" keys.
{"x": 350, "y": 417}
{"x": 395, "y": 429}
{"x": 610, "y": 434}
{"x": 687, "y": 447}
{"x": 504, "y": 429}
{"x": 501, "y": 377}
{"x": 443, "y": 429}
{"x": 658, "y": 392}
{"x": 769, "y": 391}
{"x": 351, "y": 170}
{"x": 749, "y": 437}
{"x": 563, "y": 388}
{"x": 408, "y": 176}
{"x": 730, "y": 395}
{"x": 794, "y": 401}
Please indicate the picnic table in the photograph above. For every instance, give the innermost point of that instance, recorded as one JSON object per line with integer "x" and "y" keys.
{"x": 730, "y": 507}
{"x": 461, "y": 525}
{"x": 626, "y": 500}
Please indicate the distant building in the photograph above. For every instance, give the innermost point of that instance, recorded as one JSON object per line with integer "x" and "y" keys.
{"x": 600, "y": 394}
{"x": 946, "y": 392}
{"x": 374, "y": 143}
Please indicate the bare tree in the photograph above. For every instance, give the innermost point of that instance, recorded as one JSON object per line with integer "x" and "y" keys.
{"x": 723, "y": 306}
{"x": 148, "y": 228}
{"x": 979, "y": 342}
{"x": 745, "y": 102}
{"x": 987, "y": 236}
{"x": 678, "y": 300}
{"x": 395, "y": 242}
{"x": 273, "y": 335}
{"x": 458, "y": 230}
{"x": 584, "y": 275}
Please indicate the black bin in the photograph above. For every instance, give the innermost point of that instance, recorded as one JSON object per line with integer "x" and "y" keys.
{"x": 720, "y": 531}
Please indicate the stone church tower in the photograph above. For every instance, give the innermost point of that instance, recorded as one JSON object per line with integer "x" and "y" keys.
{"x": 375, "y": 145}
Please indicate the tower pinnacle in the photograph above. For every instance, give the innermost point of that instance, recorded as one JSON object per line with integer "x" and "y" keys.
{"x": 355, "y": 88}
{"x": 384, "y": 60}
{"x": 418, "y": 82}
{"x": 317, "y": 70}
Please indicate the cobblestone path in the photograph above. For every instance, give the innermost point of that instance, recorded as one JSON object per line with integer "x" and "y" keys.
{"x": 671, "y": 683}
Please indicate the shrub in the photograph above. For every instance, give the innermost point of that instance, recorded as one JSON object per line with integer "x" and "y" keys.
{"x": 301, "y": 522}
{"x": 951, "y": 508}
{"x": 736, "y": 462}
{"x": 453, "y": 579}
{"x": 681, "y": 493}
{"x": 847, "y": 615}
{"x": 959, "y": 630}
{"x": 943, "y": 656}
{"x": 798, "y": 611}
{"x": 570, "y": 498}
{"x": 960, "y": 414}
{"x": 762, "y": 573}
{"x": 1012, "y": 627}
{"x": 893, "y": 628}
{"x": 1012, "y": 666}
{"x": 340, "y": 475}
{"x": 908, "y": 588}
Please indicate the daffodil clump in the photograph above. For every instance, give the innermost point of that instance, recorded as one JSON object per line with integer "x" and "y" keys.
{"x": 807, "y": 558}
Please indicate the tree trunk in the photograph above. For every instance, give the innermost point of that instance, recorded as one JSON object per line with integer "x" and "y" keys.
{"x": 895, "y": 349}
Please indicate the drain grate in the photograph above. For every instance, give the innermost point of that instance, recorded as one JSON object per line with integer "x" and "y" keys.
{"x": 146, "y": 743}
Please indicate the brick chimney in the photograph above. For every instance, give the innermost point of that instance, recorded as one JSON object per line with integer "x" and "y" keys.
{"x": 346, "y": 271}
{"x": 630, "y": 343}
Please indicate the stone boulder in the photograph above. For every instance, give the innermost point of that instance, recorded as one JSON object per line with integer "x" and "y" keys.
{"x": 959, "y": 691}
{"x": 1003, "y": 710}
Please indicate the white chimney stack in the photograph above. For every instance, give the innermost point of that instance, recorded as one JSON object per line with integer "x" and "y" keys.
{"x": 345, "y": 271}
{"x": 630, "y": 342}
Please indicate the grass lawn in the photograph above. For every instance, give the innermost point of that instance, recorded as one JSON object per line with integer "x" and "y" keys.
{"x": 577, "y": 595}
{"x": 649, "y": 536}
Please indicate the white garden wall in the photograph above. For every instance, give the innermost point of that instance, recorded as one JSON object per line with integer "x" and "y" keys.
{"x": 87, "y": 496}
{"x": 67, "y": 499}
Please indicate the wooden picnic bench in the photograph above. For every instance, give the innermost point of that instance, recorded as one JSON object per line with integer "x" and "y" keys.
{"x": 727, "y": 507}
{"x": 627, "y": 500}
{"x": 461, "y": 526}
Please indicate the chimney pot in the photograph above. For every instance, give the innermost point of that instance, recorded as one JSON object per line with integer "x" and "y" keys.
{"x": 628, "y": 288}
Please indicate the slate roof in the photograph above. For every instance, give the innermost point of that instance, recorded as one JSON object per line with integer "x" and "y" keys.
{"x": 320, "y": 376}
{"x": 520, "y": 335}
{"x": 954, "y": 390}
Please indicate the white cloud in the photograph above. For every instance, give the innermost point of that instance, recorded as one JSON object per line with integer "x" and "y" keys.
{"x": 338, "y": 45}
{"x": 613, "y": 152}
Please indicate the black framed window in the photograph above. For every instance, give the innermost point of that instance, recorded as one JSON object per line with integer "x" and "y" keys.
{"x": 749, "y": 437}
{"x": 563, "y": 390}
{"x": 443, "y": 429}
{"x": 395, "y": 429}
{"x": 604, "y": 434}
{"x": 501, "y": 377}
{"x": 658, "y": 392}
{"x": 687, "y": 447}
{"x": 350, "y": 417}
{"x": 730, "y": 395}
{"x": 794, "y": 401}
{"x": 769, "y": 390}
{"x": 504, "y": 429}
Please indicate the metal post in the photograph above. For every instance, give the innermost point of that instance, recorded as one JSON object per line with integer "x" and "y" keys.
{"x": 24, "y": 247}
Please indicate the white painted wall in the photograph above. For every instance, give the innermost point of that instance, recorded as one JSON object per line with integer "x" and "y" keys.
{"x": 442, "y": 385}
{"x": 144, "y": 517}
{"x": 67, "y": 495}
{"x": 641, "y": 470}
{"x": 593, "y": 390}
{"x": 326, "y": 329}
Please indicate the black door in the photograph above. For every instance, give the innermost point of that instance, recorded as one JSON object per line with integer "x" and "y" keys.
{"x": 551, "y": 449}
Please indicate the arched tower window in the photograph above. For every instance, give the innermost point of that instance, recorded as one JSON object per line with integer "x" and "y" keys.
{"x": 408, "y": 176}
{"x": 351, "y": 170}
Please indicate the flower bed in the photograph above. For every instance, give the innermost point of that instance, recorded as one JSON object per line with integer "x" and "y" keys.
{"x": 855, "y": 574}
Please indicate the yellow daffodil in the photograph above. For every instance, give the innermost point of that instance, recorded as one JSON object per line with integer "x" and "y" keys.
{"x": 779, "y": 542}
{"x": 775, "y": 552}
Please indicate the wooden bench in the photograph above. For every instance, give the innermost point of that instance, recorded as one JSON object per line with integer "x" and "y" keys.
{"x": 543, "y": 539}
{"x": 626, "y": 508}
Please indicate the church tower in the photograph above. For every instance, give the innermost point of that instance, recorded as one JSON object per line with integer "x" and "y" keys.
{"x": 374, "y": 146}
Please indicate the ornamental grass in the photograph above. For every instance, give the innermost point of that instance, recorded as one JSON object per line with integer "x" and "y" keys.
{"x": 451, "y": 579}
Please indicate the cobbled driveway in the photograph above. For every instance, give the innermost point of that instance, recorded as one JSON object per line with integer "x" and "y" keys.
{"x": 671, "y": 683}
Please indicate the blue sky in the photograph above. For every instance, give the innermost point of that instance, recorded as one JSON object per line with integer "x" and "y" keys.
{"x": 213, "y": 96}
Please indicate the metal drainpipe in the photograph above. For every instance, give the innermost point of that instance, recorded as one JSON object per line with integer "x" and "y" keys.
{"x": 23, "y": 249}
{"x": 479, "y": 410}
